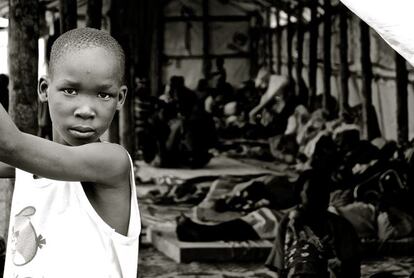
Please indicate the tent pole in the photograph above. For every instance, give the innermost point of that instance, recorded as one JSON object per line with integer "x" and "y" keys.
{"x": 206, "y": 40}
{"x": 299, "y": 49}
{"x": 343, "y": 54}
{"x": 313, "y": 53}
{"x": 289, "y": 45}
{"x": 278, "y": 43}
{"x": 366, "y": 77}
{"x": 402, "y": 99}
{"x": 327, "y": 67}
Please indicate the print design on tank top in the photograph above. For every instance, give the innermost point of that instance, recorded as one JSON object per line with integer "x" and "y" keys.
{"x": 25, "y": 242}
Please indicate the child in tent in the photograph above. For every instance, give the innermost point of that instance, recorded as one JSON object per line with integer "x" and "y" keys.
{"x": 74, "y": 211}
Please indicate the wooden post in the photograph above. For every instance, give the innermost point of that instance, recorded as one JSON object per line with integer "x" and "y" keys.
{"x": 327, "y": 67}
{"x": 6, "y": 193}
{"x": 366, "y": 67}
{"x": 343, "y": 54}
{"x": 278, "y": 43}
{"x": 68, "y": 15}
{"x": 94, "y": 14}
{"x": 299, "y": 50}
{"x": 23, "y": 56}
{"x": 313, "y": 53}
{"x": 402, "y": 99}
{"x": 23, "y": 64}
{"x": 289, "y": 45}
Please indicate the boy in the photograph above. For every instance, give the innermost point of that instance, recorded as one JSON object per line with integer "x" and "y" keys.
{"x": 74, "y": 210}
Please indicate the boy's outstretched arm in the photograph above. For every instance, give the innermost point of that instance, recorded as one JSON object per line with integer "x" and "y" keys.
{"x": 102, "y": 163}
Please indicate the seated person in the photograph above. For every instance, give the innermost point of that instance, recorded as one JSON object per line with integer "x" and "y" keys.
{"x": 248, "y": 96}
{"x": 312, "y": 242}
{"x": 179, "y": 96}
{"x": 285, "y": 147}
{"x": 270, "y": 116}
{"x": 373, "y": 127}
{"x": 298, "y": 120}
{"x": 178, "y": 132}
{"x": 331, "y": 108}
{"x": 145, "y": 106}
{"x": 202, "y": 91}
{"x": 311, "y": 132}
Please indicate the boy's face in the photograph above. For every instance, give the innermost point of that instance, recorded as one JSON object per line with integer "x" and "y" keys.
{"x": 83, "y": 92}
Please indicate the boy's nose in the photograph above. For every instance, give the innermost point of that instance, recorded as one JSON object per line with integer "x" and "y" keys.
{"x": 85, "y": 112}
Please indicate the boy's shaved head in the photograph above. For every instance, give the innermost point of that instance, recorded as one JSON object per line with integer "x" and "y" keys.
{"x": 82, "y": 38}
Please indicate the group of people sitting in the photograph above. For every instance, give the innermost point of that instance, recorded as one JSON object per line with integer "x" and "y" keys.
{"x": 344, "y": 188}
{"x": 179, "y": 128}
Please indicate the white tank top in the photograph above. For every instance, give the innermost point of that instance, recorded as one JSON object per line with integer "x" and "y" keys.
{"x": 55, "y": 232}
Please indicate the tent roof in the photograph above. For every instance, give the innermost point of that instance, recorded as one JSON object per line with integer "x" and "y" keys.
{"x": 52, "y": 5}
{"x": 282, "y": 4}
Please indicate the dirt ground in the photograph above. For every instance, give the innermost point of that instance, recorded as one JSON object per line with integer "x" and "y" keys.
{"x": 154, "y": 264}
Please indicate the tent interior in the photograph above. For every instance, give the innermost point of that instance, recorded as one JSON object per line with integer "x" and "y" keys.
{"x": 231, "y": 103}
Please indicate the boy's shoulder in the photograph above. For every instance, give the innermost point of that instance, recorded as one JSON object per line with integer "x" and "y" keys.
{"x": 116, "y": 154}
{"x": 104, "y": 163}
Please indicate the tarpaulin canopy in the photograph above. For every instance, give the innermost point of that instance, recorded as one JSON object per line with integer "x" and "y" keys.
{"x": 393, "y": 20}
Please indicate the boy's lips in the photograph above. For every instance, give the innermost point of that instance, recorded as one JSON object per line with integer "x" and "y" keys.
{"x": 82, "y": 131}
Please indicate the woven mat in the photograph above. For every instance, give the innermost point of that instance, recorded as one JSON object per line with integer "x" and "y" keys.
{"x": 398, "y": 266}
{"x": 218, "y": 166}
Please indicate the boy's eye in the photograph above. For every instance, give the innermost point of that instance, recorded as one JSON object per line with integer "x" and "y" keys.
{"x": 69, "y": 91}
{"x": 104, "y": 95}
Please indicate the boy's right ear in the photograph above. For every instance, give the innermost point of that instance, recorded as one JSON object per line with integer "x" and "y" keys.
{"x": 42, "y": 88}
